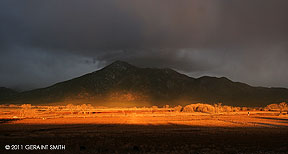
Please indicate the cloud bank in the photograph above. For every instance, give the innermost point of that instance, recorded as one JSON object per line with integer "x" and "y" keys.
{"x": 46, "y": 42}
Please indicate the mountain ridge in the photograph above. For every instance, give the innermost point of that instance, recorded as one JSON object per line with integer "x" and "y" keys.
{"x": 7, "y": 92}
{"x": 123, "y": 83}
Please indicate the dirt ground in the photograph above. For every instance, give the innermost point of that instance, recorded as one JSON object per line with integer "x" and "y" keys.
{"x": 150, "y": 133}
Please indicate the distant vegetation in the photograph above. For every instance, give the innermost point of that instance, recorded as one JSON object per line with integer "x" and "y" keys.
{"x": 219, "y": 108}
{"x": 27, "y": 110}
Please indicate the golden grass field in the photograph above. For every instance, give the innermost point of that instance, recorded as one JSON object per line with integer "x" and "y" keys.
{"x": 143, "y": 130}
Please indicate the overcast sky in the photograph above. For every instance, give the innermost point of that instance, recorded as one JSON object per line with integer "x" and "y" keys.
{"x": 44, "y": 42}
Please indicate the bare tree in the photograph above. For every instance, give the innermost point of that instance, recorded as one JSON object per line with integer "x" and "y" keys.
{"x": 84, "y": 108}
{"x": 70, "y": 107}
{"x": 25, "y": 109}
{"x": 283, "y": 107}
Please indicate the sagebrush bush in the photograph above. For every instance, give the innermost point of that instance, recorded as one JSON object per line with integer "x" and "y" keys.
{"x": 178, "y": 108}
{"x": 207, "y": 108}
{"x": 188, "y": 108}
{"x": 282, "y": 107}
{"x": 227, "y": 108}
{"x": 199, "y": 108}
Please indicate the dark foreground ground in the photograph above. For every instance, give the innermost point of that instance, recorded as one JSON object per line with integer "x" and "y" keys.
{"x": 171, "y": 138}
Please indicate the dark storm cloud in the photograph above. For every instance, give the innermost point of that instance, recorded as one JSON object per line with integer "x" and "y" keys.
{"x": 98, "y": 25}
{"x": 244, "y": 40}
{"x": 23, "y": 69}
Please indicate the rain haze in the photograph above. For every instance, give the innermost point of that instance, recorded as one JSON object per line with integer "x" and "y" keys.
{"x": 44, "y": 42}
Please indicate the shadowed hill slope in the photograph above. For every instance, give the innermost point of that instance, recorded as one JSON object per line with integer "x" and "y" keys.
{"x": 6, "y": 92}
{"x": 123, "y": 83}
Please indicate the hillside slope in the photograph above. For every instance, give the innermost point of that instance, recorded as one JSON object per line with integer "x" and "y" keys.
{"x": 6, "y": 93}
{"x": 123, "y": 84}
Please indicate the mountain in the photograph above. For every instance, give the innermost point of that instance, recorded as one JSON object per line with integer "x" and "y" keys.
{"x": 6, "y": 93}
{"x": 122, "y": 84}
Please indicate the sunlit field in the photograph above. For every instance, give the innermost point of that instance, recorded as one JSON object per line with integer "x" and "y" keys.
{"x": 195, "y": 128}
{"x": 203, "y": 115}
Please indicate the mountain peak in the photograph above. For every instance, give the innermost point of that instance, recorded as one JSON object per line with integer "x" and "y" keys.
{"x": 120, "y": 65}
{"x": 119, "y": 62}
{"x": 133, "y": 84}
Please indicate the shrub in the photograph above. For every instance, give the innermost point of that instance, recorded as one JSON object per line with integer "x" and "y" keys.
{"x": 166, "y": 106}
{"x": 70, "y": 107}
{"x": 227, "y": 108}
{"x": 188, "y": 108}
{"x": 26, "y": 110}
{"x": 244, "y": 109}
{"x": 154, "y": 107}
{"x": 272, "y": 107}
{"x": 283, "y": 106}
{"x": 218, "y": 107}
{"x": 178, "y": 108}
{"x": 236, "y": 109}
{"x": 199, "y": 108}
{"x": 26, "y": 106}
